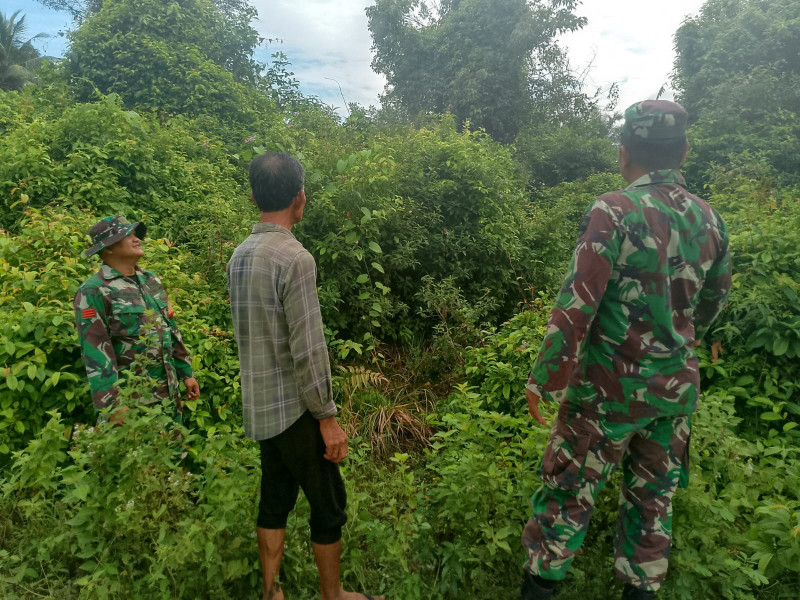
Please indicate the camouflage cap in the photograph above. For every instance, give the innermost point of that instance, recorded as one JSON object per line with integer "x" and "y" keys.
{"x": 655, "y": 121}
{"x": 111, "y": 230}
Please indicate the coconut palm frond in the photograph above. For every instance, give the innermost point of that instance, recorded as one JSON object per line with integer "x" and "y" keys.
{"x": 18, "y": 57}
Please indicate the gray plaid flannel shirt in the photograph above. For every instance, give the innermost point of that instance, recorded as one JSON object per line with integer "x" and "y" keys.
{"x": 285, "y": 368}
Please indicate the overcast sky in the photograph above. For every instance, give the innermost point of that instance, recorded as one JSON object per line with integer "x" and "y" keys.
{"x": 625, "y": 41}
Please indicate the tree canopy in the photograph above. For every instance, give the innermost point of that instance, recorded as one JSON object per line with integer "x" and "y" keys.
{"x": 474, "y": 58}
{"x": 738, "y": 74}
{"x": 199, "y": 61}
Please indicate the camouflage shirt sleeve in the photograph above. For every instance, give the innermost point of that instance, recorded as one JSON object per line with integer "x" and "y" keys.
{"x": 98, "y": 353}
{"x": 180, "y": 357}
{"x": 716, "y": 287}
{"x": 180, "y": 354}
{"x": 599, "y": 239}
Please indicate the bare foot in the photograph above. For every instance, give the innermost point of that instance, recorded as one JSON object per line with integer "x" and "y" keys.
{"x": 358, "y": 596}
{"x": 274, "y": 594}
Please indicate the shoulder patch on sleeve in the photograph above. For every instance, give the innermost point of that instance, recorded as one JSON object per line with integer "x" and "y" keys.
{"x": 88, "y": 313}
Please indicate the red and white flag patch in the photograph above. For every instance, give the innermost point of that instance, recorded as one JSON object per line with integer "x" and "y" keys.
{"x": 89, "y": 313}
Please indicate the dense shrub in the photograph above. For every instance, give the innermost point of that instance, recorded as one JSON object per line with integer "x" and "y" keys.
{"x": 759, "y": 333}
{"x": 430, "y": 203}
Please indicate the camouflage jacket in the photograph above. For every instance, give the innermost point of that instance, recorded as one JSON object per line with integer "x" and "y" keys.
{"x": 121, "y": 319}
{"x": 650, "y": 273}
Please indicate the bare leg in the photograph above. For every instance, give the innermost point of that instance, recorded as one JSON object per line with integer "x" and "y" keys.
{"x": 270, "y": 553}
{"x": 327, "y": 557}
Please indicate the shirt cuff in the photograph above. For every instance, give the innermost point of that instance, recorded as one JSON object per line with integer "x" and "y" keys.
{"x": 184, "y": 372}
{"x": 544, "y": 394}
{"x": 323, "y": 412}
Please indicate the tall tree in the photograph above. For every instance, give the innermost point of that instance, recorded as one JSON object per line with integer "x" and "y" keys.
{"x": 17, "y": 54}
{"x": 738, "y": 74}
{"x": 479, "y": 59}
{"x": 180, "y": 56}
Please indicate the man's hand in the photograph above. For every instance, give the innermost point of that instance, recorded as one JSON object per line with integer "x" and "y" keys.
{"x": 533, "y": 406}
{"x": 192, "y": 388}
{"x": 335, "y": 439}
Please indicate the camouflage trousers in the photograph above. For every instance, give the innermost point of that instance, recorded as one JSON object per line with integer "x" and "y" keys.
{"x": 583, "y": 452}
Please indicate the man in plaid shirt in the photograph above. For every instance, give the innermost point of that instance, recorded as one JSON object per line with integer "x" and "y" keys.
{"x": 287, "y": 401}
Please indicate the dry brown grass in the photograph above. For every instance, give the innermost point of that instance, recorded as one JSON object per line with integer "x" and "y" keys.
{"x": 388, "y": 413}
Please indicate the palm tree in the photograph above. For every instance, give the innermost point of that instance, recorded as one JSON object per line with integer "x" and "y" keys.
{"x": 18, "y": 57}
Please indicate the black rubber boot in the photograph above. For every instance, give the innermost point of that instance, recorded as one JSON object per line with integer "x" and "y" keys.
{"x": 632, "y": 593}
{"x": 536, "y": 588}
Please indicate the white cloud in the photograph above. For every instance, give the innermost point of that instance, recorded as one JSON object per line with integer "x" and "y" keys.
{"x": 324, "y": 40}
{"x": 629, "y": 42}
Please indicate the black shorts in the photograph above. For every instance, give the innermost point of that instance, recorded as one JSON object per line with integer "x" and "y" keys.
{"x": 292, "y": 460}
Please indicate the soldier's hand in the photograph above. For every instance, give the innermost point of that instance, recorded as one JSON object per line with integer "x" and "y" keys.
{"x": 335, "y": 439}
{"x": 192, "y": 388}
{"x": 533, "y": 406}
{"x": 118, "y": 416}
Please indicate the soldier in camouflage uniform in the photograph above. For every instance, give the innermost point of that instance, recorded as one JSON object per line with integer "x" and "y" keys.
{"x": 123, "y": 315}
{"x": 650, "y": 273}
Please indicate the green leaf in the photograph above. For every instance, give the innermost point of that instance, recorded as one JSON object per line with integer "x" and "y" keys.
{"x": 378, "y": 267}
{"x": 341, "y": 165}
{"x": 780, "y": 347}
{"x": 375, "y": 248}
{"x": 82, "y": 492}
{"x": 762, "y": 564}
{"x": 363, "y": 278}
{"x": 770, "y": 416}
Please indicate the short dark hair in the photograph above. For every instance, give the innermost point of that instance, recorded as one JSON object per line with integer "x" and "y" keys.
{"x": 275, "y": 179}
{"x": 656, "y": 154}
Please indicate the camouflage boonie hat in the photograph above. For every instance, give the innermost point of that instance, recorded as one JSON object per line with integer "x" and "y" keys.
{"x": 111, "y": 230}
{"x": 655, "y": 121}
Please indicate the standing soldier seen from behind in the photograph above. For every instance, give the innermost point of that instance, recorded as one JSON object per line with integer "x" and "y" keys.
{"x": 123, "y": 316}
{"x": 650, "y": 273}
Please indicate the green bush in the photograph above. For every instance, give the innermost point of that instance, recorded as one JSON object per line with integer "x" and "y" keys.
{"x": 430, "y": 202}
{"x": 99, "y": 507}
{"x": 499, "y": 368}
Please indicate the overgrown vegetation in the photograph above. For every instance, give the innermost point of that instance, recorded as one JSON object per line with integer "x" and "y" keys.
{"x": 439, "y": 249}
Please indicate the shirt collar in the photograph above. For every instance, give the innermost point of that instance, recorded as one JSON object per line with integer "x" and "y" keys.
{"x": 108, "y": 273}
{"x": 655, "y": 177}
{"x": 270, "y": 227}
